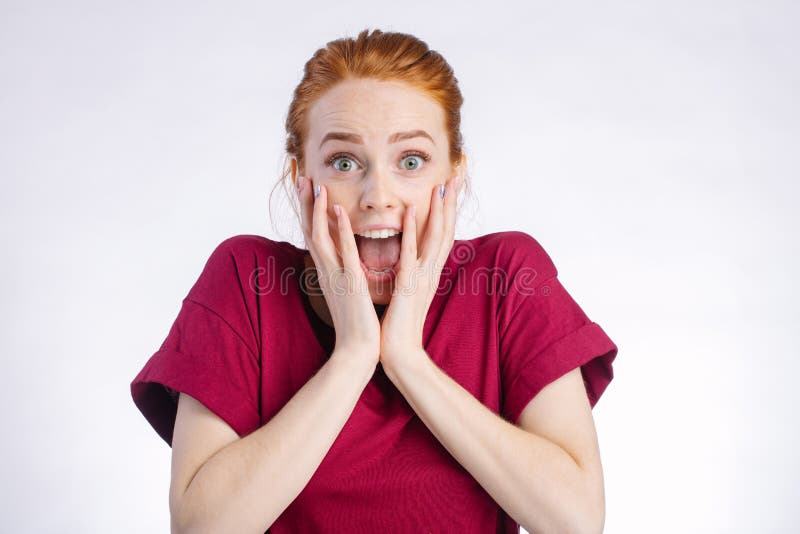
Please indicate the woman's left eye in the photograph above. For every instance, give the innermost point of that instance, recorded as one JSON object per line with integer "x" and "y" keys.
{"x": 419, "y": 155}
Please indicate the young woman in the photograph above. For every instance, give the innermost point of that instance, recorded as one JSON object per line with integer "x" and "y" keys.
{"x": 416, "y": 383}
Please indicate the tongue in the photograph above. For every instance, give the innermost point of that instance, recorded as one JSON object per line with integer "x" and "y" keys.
{"x": 379, "y": 254}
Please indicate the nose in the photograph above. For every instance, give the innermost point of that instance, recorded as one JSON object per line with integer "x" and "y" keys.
{"x": 378, "y": 192}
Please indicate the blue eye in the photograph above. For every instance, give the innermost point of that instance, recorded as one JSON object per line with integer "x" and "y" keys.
{"x": 347, "y": 167}
{"x": 417, "y": 155}
{"x": 336, "y": 157}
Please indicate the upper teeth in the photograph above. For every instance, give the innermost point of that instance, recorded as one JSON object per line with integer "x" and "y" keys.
{"x": 375, "y": 234}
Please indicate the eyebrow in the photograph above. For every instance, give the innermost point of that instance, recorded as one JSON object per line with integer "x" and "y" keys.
{"x": 394, "y": 138}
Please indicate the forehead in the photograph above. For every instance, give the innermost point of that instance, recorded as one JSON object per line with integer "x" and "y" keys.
{"x": 374, "y": 109}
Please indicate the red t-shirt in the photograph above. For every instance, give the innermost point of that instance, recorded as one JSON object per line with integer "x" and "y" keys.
{"x": 246, "y": 340}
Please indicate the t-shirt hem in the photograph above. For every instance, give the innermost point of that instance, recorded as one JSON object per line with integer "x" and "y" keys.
{"x": 588, "y": 347}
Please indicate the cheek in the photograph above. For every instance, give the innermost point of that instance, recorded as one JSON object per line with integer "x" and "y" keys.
{"x": 339, "y": 193}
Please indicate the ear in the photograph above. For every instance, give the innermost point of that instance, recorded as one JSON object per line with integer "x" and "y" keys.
{"x": 294, "y": 170}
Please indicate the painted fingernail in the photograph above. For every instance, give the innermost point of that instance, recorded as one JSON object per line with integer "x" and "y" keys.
{"x": 316, "y": 190}
{"x": 441, "y": 190}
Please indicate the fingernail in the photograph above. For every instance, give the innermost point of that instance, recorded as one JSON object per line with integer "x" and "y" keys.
{"x": 336, "y": 209}
{"x": 413, "y": 209}
{"x": 441, "y": 190}
{"x": 300, "y": 183}
{"x": 316, "y": 190}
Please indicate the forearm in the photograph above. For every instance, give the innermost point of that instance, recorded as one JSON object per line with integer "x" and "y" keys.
{"x": 245, "y": 486}
{"x": 534, "y": 480}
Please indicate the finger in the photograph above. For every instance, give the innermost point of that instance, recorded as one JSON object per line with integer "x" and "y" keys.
{"x": 320, "y": 234}
{"x": 305, "y": 215}
{"x": 306, "y": 206}
{"x": 347, "y": 242}
{"x": 408, "y": 244}
{"x": 450, "y": 198}
{"x": 306, "y": 201}
{"x": 433, "y": 231}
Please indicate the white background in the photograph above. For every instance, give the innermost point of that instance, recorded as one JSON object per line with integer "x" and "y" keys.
{"x": 650, "y": 147}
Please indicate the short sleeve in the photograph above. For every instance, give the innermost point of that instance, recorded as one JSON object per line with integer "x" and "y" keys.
{"x": 209, "y": 353}
{"x": 544, "y": 334}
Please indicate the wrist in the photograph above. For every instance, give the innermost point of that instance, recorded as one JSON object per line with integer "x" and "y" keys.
{"x": 361, "y": 356}
{"x": 402, "y": 360}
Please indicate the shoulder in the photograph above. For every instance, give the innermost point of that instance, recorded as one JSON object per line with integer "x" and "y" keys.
{"x": 240, "y": 260}
{"x": 248, "y": 251}
{"x": 515, "y": 251}
{"x": 244, "y": 244}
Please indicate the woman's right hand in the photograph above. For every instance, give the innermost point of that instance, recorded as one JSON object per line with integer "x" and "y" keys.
{"x": 343, "y": 283}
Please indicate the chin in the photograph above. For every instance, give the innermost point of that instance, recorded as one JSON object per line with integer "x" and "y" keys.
{"x": 381, "y": 296}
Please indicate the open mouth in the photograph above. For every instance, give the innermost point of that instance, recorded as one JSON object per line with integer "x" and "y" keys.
{"x": 379, "y": 256}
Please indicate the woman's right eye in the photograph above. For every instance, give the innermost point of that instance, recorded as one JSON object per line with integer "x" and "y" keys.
{"x": 347, "y": 167}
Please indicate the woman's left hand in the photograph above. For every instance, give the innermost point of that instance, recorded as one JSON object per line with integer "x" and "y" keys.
{"x": 417, "y": 279}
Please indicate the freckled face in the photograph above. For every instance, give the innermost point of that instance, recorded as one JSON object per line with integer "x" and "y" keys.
{"x": 375, "y": 175}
